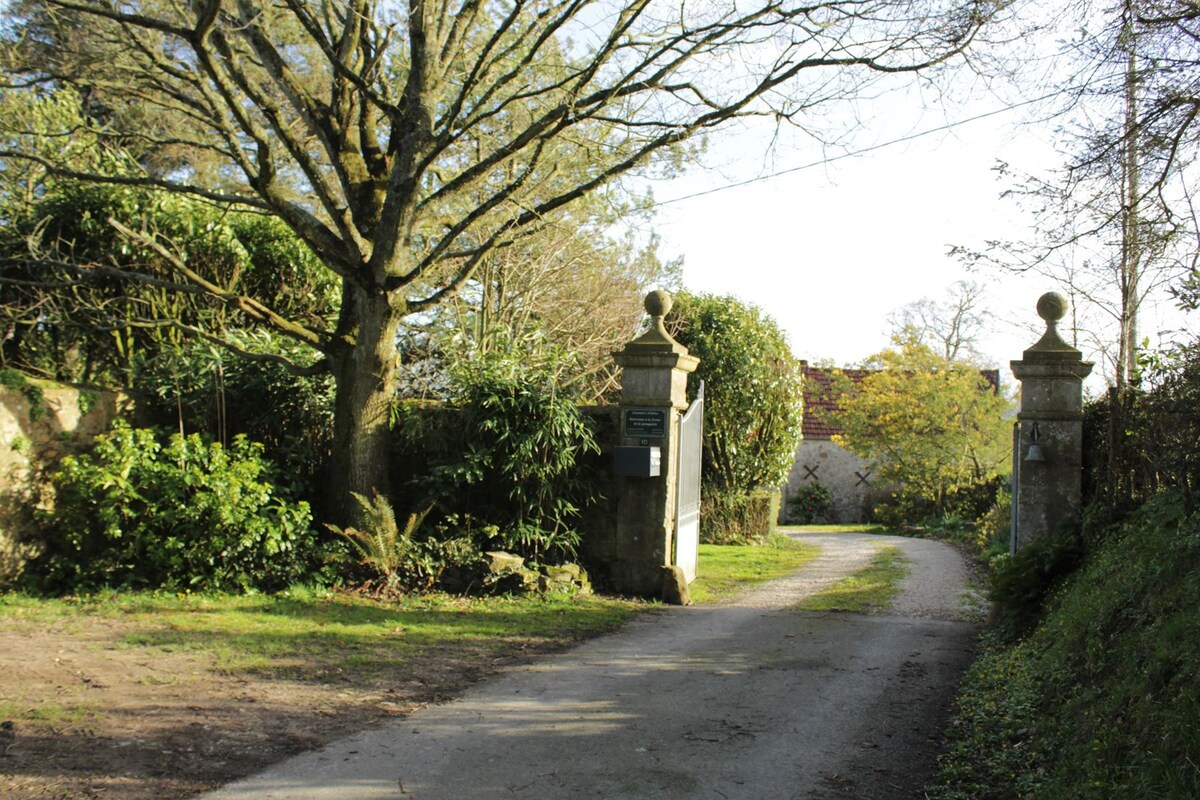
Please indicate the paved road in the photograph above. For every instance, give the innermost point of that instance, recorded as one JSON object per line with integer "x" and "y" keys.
{"x": 750, "y": 701}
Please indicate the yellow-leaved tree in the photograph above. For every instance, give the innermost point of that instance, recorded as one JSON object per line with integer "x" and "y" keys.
{"x": 934, "y": 428}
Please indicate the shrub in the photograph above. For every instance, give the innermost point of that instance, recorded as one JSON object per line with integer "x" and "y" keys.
{"x": 738, "y": 517}
{"x": 904, "y": 509}
{"x": 974, "y": 500}
{"x": 753, "y": 405}
{"x": 506, "y": 460}
{"x": 1022, "y": 582}
{"x": 1144, "y": 442}
{"x": 187, "y": 514}
{"x": 98, "y": 330}
{"x": 954, "y": 516}
{"x": 400, "y": 559}
{"x": 202, "y": 388}
{"x": 993, "y": 531}
{"x": 811, "y": 502}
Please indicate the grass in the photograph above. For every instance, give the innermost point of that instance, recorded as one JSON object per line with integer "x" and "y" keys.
{"x": 725, "y": 570}
{"x": 317, "y": 635}
{"x": 311, "y": 644}
{"x": 1101, "y": 699}
{"x": 50, "y": 712}
{"x": 869, "y": 589}
{"x": 314, "y": 634}
{"x": 321, "y": 637}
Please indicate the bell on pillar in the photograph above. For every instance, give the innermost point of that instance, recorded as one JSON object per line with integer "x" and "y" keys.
{"x": 1034, "y": 453}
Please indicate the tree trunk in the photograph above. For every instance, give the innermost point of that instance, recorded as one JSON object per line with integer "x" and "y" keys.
{"x": 365, "y": 376}
{"x": 1131, "y": 244}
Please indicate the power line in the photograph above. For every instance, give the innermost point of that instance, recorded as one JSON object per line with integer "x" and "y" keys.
{"x": 940, "y": 129}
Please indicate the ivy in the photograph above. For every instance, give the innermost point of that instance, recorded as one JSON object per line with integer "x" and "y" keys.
{"x": 12, "y": 379}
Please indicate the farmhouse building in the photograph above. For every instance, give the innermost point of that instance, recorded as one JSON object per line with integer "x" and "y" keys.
{"x": 849, "y": 478}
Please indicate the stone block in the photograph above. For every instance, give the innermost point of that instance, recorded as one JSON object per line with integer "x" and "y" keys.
{"x": 675, "y": 587}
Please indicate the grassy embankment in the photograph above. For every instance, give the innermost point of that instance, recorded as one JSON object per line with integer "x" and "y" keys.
{"x": 1101, "y": 699}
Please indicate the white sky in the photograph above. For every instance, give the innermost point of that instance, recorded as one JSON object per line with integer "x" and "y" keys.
{"x": 830, "y": 251}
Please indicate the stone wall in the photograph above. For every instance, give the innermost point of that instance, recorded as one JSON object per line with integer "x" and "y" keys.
{"x": 598, "y": 522}
{"x": 846, "y": 476}
{"x": 39, "y": 424}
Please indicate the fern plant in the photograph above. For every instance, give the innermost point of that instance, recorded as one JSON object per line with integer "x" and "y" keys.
{"x": 391, "y": 552}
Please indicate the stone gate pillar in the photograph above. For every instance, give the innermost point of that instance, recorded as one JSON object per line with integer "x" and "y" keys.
{"x": 653, "y": 393}
{"x": 1048, "y": 464}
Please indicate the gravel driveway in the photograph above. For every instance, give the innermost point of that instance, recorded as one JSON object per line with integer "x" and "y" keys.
{"x": 938, "y": 585}
{"x": 746, "y": 700}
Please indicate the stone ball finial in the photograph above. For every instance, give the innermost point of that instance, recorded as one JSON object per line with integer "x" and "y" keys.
{"x": 658, "y": 303}
{"x": 1052, "y": 307}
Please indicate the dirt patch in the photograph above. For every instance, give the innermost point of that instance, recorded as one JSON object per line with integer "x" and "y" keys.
{"x": 95, "y": 718}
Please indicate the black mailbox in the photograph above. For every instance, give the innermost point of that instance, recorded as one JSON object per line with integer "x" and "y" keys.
{"x": 637, "y": 462}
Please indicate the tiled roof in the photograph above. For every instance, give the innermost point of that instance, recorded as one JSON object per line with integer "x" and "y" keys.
{"x": 820, "y": 397}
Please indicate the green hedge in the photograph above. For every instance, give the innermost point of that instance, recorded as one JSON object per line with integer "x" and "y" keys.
{"x": 738, "y": 518}
{"x": 184, "y": 513}
{"x": 1145, "y": 442}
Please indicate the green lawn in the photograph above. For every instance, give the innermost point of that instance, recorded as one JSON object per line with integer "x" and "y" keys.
{"x": 306, "y": 632}
{"x": 303, "y": 630}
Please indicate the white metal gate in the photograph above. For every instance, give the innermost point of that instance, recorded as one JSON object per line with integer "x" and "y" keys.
{"x": 687, "y": 490}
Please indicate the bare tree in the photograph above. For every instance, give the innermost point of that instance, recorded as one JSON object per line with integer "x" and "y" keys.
{"x": 952, "y": 328}
{"x": 406, "y": 143}
{"x": 1116, "y": 225}
{"x": 575, "y": 291}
